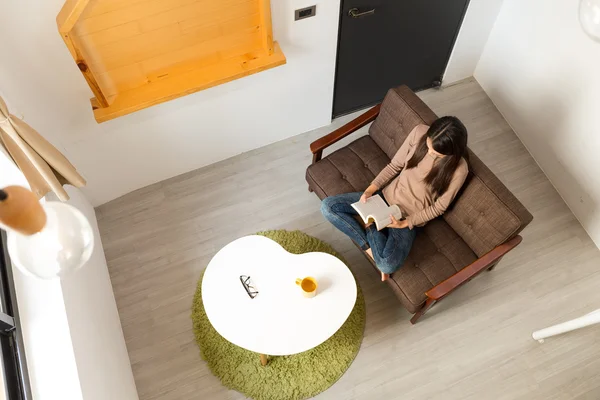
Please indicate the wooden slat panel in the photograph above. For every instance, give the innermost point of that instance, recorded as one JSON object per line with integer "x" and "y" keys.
{"x": 244, "y": 23}
{"x": 106, "y": 82}
{"x": 123, "y": 79}
{"x": 205, "y": 12}
{"x": 69, "y": 14}
{"x": 167, "y": 40}
{"x": 110, "y": 35}
{"x": 193, "y": 57}
{"x": 265, "y": 23}
{"x": 239, "y": 48}
{"x": 98, "y": 7}
{"x": 189, "y": 58}
{"x": 133, "y": 13}
{"x": 126, "y": 48}
{"x": 126, "y": 36}
{"x": 182, "y": 84}
{"x": 139, "y": 48}
{"x": 244, "y": 15}
{"x": 80, "y": 55}
{"x": 186, "y": 65}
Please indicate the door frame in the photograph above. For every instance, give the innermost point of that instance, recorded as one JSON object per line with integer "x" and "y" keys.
{"x": 337, "y": 63}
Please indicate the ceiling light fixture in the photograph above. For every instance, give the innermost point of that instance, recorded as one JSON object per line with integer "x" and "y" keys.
{"x": 46, "y": 240}
{"x": 589, "y": 18}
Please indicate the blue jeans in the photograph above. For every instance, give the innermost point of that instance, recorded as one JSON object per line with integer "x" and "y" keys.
{"x": 390, "y": 246}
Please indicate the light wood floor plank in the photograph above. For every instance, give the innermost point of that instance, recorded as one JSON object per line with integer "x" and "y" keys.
{"x": 476, "y": 344}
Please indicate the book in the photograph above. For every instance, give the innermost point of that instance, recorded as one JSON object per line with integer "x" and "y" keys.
{"x": 375, "y": 210}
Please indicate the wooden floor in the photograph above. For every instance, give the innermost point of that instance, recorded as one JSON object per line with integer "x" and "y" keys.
{"x": 476, "y": 344}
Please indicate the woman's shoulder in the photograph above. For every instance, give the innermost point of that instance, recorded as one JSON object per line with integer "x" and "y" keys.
{"x": 417, "y": 133}
{"x": 421, "y": 129}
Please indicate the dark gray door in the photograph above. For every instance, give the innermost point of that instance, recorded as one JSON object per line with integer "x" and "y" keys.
{"x": 386, "y": 43}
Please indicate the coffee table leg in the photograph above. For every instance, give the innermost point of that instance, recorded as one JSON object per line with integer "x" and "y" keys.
{"x": 263, "y": 359}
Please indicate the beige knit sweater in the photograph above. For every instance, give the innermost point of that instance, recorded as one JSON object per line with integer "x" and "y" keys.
{"x": 407, "y": 189}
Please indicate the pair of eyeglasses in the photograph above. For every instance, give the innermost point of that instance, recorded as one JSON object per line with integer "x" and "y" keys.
{"x": 249, "y": 286}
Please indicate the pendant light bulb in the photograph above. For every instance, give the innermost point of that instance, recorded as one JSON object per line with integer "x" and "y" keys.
{"x": 45, "y": 240}
{"x": 589, "y": 18}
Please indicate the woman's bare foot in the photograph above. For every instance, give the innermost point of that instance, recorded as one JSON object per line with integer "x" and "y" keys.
{"x": 384, "y": 277}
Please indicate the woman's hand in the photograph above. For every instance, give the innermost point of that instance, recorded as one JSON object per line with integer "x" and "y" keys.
{"x": 397, "y": 224}
{"x": 365, "y": 196}
{"x": 368, "y": 193}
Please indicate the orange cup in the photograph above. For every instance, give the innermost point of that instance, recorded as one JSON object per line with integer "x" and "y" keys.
{"x": 308, "y": 286}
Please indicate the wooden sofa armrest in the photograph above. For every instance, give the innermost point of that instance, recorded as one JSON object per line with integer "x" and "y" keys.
{"x": 319, "y": 145}
{"x": 467, "y": 273}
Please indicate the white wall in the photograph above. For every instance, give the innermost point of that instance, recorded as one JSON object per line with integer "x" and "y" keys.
{"x": 471, "y": 40}
{"x": 542, "y": 72}
{"x": 39, "y": 76}
{"x": 101, "y": 356}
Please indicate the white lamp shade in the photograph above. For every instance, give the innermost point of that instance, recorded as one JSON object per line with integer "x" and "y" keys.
{"x": 589, "y": 17}
{"x": 61, "y": 247}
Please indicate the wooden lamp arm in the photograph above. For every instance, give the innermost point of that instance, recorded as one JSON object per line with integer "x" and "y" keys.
{"x": 319, "y": 145}
{"x": 467, "y": 273}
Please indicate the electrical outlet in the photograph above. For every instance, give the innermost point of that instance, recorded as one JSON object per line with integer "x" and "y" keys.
{"x": 304, "y": 13}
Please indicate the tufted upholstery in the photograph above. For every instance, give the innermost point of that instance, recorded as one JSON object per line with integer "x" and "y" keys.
{"x": 350, "y": 169}
{"x": 484, "y": 215}
{"x": 437, "y": 253}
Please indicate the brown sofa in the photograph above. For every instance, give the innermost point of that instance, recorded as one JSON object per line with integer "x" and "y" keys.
{"x": 478, "y": 229}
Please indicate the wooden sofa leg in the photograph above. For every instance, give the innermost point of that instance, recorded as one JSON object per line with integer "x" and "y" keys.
{"x": 310, "y": 189}
{"x": 428, "y": 304}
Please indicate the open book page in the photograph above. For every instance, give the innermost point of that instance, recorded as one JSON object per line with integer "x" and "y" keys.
{"x": 375, "y": 210}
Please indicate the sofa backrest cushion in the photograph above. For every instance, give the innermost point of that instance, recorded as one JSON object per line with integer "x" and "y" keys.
{"x": 485, "y": 213}
{"x": 401, "y": 111}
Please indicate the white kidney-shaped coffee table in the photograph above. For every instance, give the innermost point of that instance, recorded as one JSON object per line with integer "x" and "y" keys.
{"x": 278, "y": 320}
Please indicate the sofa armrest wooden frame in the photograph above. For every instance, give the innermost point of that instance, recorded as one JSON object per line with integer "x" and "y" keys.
{"x": 486, "y": 262}
{"x": 319, "y": 145}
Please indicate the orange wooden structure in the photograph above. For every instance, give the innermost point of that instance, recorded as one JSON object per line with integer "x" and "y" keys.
{"x": 138, "y": 53}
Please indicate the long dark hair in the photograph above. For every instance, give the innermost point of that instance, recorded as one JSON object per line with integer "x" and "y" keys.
{"x": 449, "y": 137}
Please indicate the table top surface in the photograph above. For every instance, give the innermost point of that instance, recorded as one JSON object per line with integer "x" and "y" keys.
{"x": 279, "y": 320}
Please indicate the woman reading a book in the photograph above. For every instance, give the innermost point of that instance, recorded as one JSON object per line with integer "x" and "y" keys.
{"x": 422, "y": 180}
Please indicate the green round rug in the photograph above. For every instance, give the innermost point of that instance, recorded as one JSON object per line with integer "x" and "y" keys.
{"x": 294, "y": 377}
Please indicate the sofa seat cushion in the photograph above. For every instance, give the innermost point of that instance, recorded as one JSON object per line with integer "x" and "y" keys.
{"x": 437, "y": 253}
{"x": 349, "y": 169}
